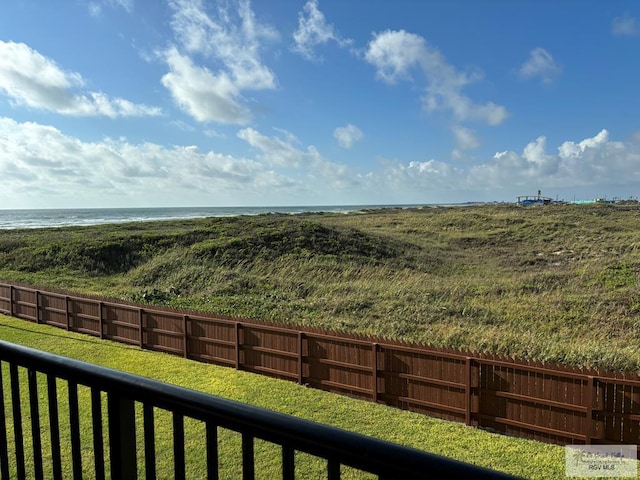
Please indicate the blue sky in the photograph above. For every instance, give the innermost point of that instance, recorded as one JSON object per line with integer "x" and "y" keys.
{"x": 133, "y": 103}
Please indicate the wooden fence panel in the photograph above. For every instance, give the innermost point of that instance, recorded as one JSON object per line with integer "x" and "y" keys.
{"x": 425, "y": 382}
{"x": 53, "y": 310}
{"x": 211, "y": 340}
{"x": 24, "y": 304}
{"x": 621, "y": 411}
{"x": 163, "y": 331}
{"x": 270, "y": 351}
{"x": 5, "y": 299}
{"x": 340, "y": 365}
{"x": 121, "y": 323}
{"x": 531, "y": 402}
{"x": 84, "y": 316}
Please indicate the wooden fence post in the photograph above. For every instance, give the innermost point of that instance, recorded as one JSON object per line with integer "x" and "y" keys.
{"x": 374, "y": 371}
{"x": 66, "y": 309}
{"x": 597, "y": 407}
{"x": 101, "y": 319}
{"x": 472, "y": 378}
{"x": 11, "y": 300}
{"x": 185, "y": 338}
{"x": 300, "y": 359}
{"x": 237, "y": 345}
{"x": 589, "y": 415}
{"x": 37, "y": 306}
{"x": 140, "y": 315}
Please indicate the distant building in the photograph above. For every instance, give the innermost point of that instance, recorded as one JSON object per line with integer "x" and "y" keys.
{"x": 530, "y": 200}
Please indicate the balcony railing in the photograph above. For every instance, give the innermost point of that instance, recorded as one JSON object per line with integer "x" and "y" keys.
{"x": 126, "y": 393}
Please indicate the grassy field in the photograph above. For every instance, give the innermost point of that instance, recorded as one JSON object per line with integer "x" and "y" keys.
{"x": 521, "y": 457}
{"x": 557, "y": 283}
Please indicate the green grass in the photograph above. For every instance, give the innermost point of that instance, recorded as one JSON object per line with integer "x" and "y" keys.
{"x": 512, "y": 455}
{"x": 543, "y": 283}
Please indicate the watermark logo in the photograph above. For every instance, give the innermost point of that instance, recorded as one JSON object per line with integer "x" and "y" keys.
{"x": 613, "y": 461}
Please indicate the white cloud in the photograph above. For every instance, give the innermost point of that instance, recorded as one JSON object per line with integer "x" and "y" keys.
{"x": 95, "y": 9}
{"x": 571, "y": 149}
{"x": 126, "y": 4}
{"x": 393, "y": 53}
{"x": 46, "y": 162}
{"x": 30, "y": 79}
{"x": 540, "y": 64}
{"x": 396, "y": 53}
{"x": 63, "y": 170}
{"x": 211, "y": 133}
{"x": 593, "y": 163}
{"x": 466, "y": 138}
{"x": 625, "y": 26}
{"x": 313, "y": 30}
{"x": 230, "y": 40}
{"x": 282, "y": 153}
{"x": 95, "y": 6}
{"x": 202, "y": 94}
{"x": 275, "y": 151}
{"x": 348, "y": 135}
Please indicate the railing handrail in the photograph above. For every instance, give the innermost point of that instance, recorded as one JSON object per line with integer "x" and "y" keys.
{"x": 348, "y": 448}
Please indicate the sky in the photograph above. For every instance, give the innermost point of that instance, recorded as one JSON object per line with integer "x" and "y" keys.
{"x": 158, "y": 103}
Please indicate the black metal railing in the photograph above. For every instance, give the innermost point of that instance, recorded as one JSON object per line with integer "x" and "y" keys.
{"x": 125, "y": 393}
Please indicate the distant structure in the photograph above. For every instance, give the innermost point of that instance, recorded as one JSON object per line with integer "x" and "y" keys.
{"x": 589, "y": 202}
{"x": 531, "y": 200}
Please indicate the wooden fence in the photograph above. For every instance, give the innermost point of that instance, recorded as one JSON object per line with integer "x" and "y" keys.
{"x": 549, "y": 403}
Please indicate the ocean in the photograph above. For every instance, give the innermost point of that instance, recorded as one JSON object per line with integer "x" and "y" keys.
{"x": 46, "y": 218}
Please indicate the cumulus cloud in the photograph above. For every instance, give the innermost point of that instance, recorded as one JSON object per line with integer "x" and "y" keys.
{"x": 30, "y": 79}
{"x": 625, "y": 26}
{"x": 593, "y": 161}
{"x": 276, "y": 151}
{"x": 57, "y": 167}
{"x": 313, "y": 30}
{"x": 63, "y": 170}
{"x": 540, "y": 64}
{"x": 590, "y": 163}
{"x": 283, "y": 153}
{"x": 229, "y": 39}
{"x": 348, "y": 135}
{"x": 395, "y": 54}
{"x": 202, "y": 94}
{"x": 43, "y": 160}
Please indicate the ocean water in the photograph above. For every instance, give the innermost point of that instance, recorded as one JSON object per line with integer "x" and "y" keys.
{"x": 16, "y": 219}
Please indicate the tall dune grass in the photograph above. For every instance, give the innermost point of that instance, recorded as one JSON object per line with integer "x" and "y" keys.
{"x": 557, "y": 283}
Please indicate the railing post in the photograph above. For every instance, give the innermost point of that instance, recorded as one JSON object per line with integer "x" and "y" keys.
{"x": 185, "y": 337}
{"x": 374, "y": 370}
{"x": 122, "y": 437}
